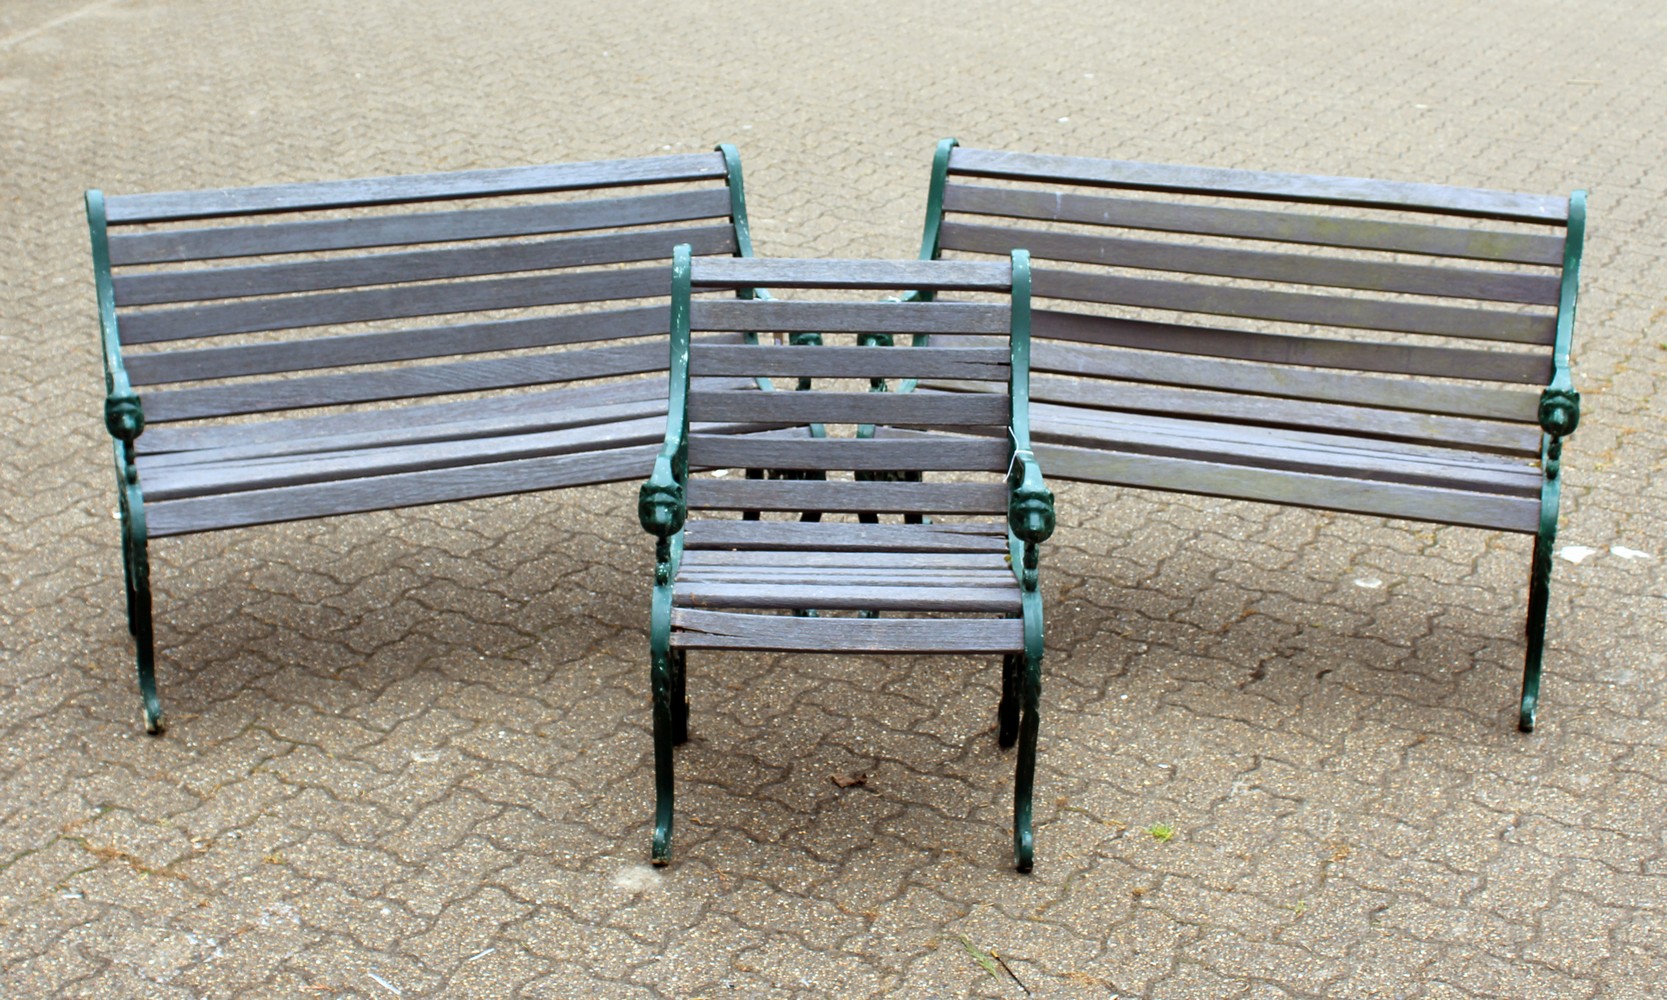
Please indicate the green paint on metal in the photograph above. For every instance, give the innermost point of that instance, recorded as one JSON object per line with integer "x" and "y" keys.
{"x": 1559, "y": 416}
{"x": 929, "y": 248}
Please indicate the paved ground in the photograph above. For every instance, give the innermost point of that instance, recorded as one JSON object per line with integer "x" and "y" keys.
{"x": 409, "y": 752}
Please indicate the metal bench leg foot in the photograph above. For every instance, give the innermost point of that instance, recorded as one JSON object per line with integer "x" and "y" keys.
{"x": 660, "y": 677}
{"x": 137, "y": 572}
{"x": 1024, "y": 779}
{"x": 1539, "y": 600}
{"x": 1007, "y": 714}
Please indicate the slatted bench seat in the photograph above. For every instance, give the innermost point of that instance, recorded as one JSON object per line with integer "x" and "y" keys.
{"x": 1372, "y": 347}
{"x": 967, "y": 584}
{"x": 301, "y": 351}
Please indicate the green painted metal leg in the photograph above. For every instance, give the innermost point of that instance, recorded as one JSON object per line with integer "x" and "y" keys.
{"x": 1007, "y": 715}
{"x": 137, "y": 566}
{"x": 680, "y": 695}
{"x": 1539, "y": 600}
{"x": 1024, "y": 779}
{"x": 665, "y": 738}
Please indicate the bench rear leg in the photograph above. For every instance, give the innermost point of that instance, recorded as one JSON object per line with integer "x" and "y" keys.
{"x": 665, "y": 739}
{"x": 1024, "y": 778}
{"x": 680, "y": 695}
{"x": 1007, "y": 714}
{"x": 136, "y": 566}
{"x": 1539, "y": 601}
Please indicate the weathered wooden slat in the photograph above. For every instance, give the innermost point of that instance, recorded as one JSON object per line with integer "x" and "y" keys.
{"x": 367, "y": 305}
{"x": 203, "y": 363}
{"x": 695, "y": 629}
{"x": 976, "y": 363}
{"x": 1539, "y": 288}
{"x": 410, "y": 266}
{"x": 848, "y": 407}
{"x": 1296, "y": 307}
{"x": 1314, "y": 189}
{"x": 946, "y": 275}
{"x": 296, "y": 503}
{"x": 1257, "y": 224}
{"x": 774, "y": 594}
{"x": 1317, "y": 352}
{"x": 213, "y": 203}
{"x": 830, "y": 537}
{"x": 544, "y": 409}
{"x": 1484, "y": 402}
{"x": 847, "y": 497}
{"x": 959, "y": 455}
{"x": 696, "y": 560}
{"x": 402, "y": 383}
{"x": 364, "y": 232}
{"x": 877, "y": 573}
{"x": 849, "y": 317}
{"x": 1299, "y": 489}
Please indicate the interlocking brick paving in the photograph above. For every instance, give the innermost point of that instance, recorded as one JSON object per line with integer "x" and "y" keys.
{"x": 409, "y": 752}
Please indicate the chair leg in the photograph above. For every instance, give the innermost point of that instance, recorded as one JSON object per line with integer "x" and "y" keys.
{"x": 680, "y": 695}
{"x": 1539, "y": 600}
{"x": 1007, "y": 714}
{"x": 665, "y": 738}
{"x": 136, "y": 562}
{"x": 1024, "y": 779}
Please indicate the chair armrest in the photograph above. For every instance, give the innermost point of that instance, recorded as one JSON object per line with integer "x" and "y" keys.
{"x": 1030, "y": 513}
{"x": 124, "y": 417}
{"x": 661, "y": 506}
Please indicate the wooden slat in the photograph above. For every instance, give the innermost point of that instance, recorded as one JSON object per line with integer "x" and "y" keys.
{"x": 849, "y": 317}
{"x": 315, "y": 235}
{"x": 959, "y": 455}
{"x": 184, "y": 205}
{"x": 848, "y": 407}
{"x": 1282, "y": 349}
{"x": 696, "y": 560}
{"x": 941, "y": 275}
{"x": 1315, "y": 189}
{"x": 203, "y": 363}
{"x": 877, "y": 573}
{"x": 696, "y": 594}
{"x": 694, "y": 629}
{"x": 847, "y": 497}
{"x": 406, "y": 267}
{"x": 1291, "y": 268}
{"x": 1257, "y": 224}
{"x": 830, "y": 537}
{"x": 1296, "y": 307}
{"x": 1484, "y": 402}
{"x": 297, "y": 503}
{"x": 1418, "y": 503}
{"x": 402, "y": 383}
{"x": 976, "y": 363}
{"x": 362, "y": 306}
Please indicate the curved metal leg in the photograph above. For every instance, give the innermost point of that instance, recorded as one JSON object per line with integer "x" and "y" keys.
{"x": 1539, "y": 600}
{"x": 661, "y": 683}
{"x": 137, "y": 565}
{"x": 1007, "y": 714}
{"x": 1024, "y": 778}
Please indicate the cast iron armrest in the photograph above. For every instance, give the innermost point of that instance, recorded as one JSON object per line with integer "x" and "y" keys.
{"x": 1030, "y": 513}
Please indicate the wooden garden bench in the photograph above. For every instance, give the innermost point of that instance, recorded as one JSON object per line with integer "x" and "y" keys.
{"x": 1373, "y": 347}
{"x": 300, "y": 351}
{"x": 967, "y": 580}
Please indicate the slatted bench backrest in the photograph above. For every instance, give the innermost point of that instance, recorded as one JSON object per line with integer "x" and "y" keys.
{"x": 1330, "y": 291}
{"x": 374, "y": 289}
{"x": 862, "y": 475}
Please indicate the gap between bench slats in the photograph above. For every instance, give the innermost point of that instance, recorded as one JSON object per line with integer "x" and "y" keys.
{"x": 949, "y": 597}
{"x": 1259, "y": 265}
{"x": 849, "y": 317}
{"x": 975, "y": 363}
{"x": 849, "y": 407}
{"x": 1257, "y": 224}
{"x": 776, "y": 537}
{"x": 957, "y": 275}
{"x": 847, "y": 497}
{"x": 695, "y": 629}
{"x": 316, "y": 235}
{"x": 756, "y": 452}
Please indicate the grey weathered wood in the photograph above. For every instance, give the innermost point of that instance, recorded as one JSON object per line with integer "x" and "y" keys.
{"x": 1318, "y": 352}
{"x": 877, "y": 572}
{"x": 695, "y": 629}
{"x": 847, "y": 497}
{"x": 1314, "y": 189}
{"x": 402, "y": 383}
{"x": 364, "y": 232}
{"x": 1470, "y": 400}
{"x": 976, "y": 363}
{"x": 748, "y": 272}
{"x": 405, "y": 267}
{"x": 297, "y": 503}
{"x": 828, "y": 537}
{"x": 774, "y": 594}
{"x": 213, "y": 203}
{"x": 1539, "y": 288}
{"x": 365, "y": 305}
{"x": 1298, "y": 489}
{"x": 697, "y": 560}
{"x": 848, "y": 317}
{"x": 848, "y": 407}
{"x": 203, "y": 363}
{"x": 1296, "y": 307}
{"x": 959, "y": 455}
{"x": 1257, "y": 224}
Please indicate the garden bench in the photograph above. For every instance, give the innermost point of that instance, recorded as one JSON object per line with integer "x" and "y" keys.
{"x": 306, "y": 350}
{"x": 967, "y": 579}
{"x": 1372, "y": 347}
